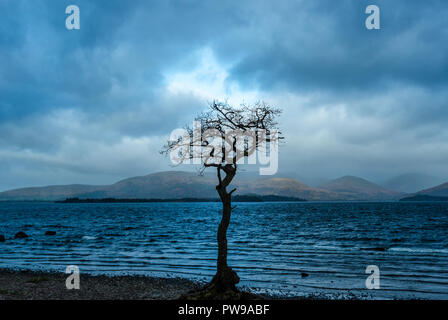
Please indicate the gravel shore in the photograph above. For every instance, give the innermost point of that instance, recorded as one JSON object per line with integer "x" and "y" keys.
{"x": 32, "y": 285}
{"x": 37, "y": 285}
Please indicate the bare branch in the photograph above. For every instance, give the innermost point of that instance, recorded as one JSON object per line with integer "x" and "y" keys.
{"x": 243, "y": 130}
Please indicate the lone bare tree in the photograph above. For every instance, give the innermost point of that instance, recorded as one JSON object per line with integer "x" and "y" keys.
{"x": 223, "y": 137}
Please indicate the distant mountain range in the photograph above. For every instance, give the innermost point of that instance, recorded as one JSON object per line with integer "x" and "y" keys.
{"x": 180, "y": 184}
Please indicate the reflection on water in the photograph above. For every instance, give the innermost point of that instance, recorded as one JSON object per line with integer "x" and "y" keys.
{"x": 270, "y": 244}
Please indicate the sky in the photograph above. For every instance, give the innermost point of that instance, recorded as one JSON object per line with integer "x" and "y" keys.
{"x": 95, "y": 105}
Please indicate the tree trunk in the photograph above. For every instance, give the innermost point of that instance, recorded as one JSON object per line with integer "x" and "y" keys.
{"x": 225, "y": 278}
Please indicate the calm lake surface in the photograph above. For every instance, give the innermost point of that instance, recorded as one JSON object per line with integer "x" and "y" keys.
{"x": 270, "y": 244}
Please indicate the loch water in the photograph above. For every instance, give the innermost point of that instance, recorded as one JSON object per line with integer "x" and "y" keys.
{"x": 305, "y": 249}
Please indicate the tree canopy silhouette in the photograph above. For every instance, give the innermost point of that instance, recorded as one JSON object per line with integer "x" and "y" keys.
{"x": 223, "y": 138}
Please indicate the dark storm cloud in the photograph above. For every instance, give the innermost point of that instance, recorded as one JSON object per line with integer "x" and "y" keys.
{"x": 75, "y": 100}
{"x": 120, "y": 44}
{"x": 324, "y": 45}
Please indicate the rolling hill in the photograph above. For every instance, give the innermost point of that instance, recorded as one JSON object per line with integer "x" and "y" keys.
{"x": 411, "y": 182}
{"x": 438, "y": 191}
{"x": 355, "y": 188}
{"x": 48, "y": 193}
{"x": 284, "y": 187}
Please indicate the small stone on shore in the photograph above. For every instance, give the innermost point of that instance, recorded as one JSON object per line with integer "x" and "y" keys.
{"x": 20, "y": 235}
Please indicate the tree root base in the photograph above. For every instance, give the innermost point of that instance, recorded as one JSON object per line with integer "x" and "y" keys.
{"x": 222, "y": 287}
